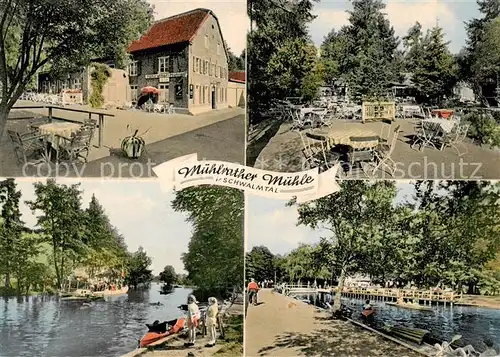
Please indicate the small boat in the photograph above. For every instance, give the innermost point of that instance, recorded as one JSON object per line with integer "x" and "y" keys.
{"x": 410, "y": 306}
{"x": 153, "y": 336}
{"x": 111, "y": 292}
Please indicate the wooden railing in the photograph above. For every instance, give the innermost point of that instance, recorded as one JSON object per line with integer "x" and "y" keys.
{"x": 50, "y": 115}
{"x": 427, "y": 295}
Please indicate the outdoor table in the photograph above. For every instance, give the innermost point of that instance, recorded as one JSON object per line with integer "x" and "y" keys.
{"x": 342, "y": 137}
{"x": 443, "y": 125}
{"x": 52, "y": 131}
{"x": 442, "y": 113}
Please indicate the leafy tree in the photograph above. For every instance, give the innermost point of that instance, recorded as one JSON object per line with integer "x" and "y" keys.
{"x": 61, "y": 221}
{"x": 293, "y": 70}
{"x": 138, "y": 272}
{"x": 413, "y": 46}
{"x": 235, "y": 63}
{"x": 334, "y": 53}
{"x": 371, "y": 48}
{"x": 11, "y": 228}
{"x": 487, "y": 63}
{"x": 214, "y": 259}
{"x": 259, "y": 264}
{"x": 471, "y": 58}
{"x": 274, "y": 24}
{"x": 168, "y": 275}
{"x": 434, "y": 68}
{"x": 349, "y": 216}
{"x": 62, "y": 35}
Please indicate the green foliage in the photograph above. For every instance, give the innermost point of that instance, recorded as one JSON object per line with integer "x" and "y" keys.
{"x": 234, "y": 62}
{"x": 484, "y": 128}
{"x": 274, "y": 25}
{"x": 476, "y": 68}
{"x": 168, "y": 275}
{"x": 372, "y": 45}
{"x": 138, "y": 273}
{"x": 214, "y": 259}
{"x": 259, "y": 264}
{"x": 434, "y": 68}
{"x": 294, "y": 71}
{"x": 98, "y": 78}
{"x": 63, "y": 34}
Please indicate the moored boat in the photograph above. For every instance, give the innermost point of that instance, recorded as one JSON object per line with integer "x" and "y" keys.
{"x": 154, "y": 334}
{"x": 410, "y": 306}
{"x": 111, "y": 292}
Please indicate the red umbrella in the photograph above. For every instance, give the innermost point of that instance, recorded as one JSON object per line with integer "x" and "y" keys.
{"x": 149, "y": 89}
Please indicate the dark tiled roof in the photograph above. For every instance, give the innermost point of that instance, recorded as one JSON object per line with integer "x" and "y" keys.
{"x": 237, "y": 76}
{"x": 171, "y": 30}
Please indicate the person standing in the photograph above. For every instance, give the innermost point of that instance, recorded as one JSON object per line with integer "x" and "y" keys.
{"x": 211, "y": 320}
{"x": 192, "y": 320}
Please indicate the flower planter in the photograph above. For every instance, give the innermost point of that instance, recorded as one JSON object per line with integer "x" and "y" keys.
{"x": 133, "y": 146}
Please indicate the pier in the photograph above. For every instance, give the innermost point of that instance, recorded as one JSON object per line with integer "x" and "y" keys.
{"x": 425, "y": 297}
{"x": 282, "y": 326}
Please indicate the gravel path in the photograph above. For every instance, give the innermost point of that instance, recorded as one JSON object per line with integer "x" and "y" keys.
{"x": 280, "y": 326}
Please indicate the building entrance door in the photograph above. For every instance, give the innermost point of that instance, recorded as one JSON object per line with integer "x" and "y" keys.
{"x": 214, "y": 104}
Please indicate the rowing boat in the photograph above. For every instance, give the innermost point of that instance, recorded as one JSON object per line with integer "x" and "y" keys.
{"x": 410, "y": 306}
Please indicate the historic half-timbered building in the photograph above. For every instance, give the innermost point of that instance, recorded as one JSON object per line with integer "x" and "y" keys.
{"x": 185, "y": 57}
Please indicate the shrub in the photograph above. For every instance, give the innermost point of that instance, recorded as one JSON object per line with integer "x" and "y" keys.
{"x": 98, "y": 79}
{"x": 484, "y": 128}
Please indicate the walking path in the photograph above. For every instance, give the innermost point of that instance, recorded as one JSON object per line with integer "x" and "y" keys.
{"x": 280, "y": 326}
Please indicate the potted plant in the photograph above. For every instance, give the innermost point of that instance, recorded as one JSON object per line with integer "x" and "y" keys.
{"x": 133, "y": 146}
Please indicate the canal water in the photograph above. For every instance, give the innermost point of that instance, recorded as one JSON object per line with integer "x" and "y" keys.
{"x": 478, "y": 327}
{"x": 46, "y": 326}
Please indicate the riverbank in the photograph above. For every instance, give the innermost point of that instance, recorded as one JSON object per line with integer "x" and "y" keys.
{"x": 491, "y": 302}
{"x": 286, "y": 327}
{"x": 231, "y": 344}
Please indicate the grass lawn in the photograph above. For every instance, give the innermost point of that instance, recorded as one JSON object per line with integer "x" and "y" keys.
{"x": 233, "y": 341}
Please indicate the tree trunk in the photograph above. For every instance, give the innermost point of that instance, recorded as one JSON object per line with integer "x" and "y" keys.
{"x": 338, "y": 295}
{"x": 7, "y": 281}
{"x": 4, "y": 114}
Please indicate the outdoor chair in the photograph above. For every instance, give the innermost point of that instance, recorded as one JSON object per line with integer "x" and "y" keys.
{"x": 386, "y": 124}
{"x": 29, "y": 147}
{"x": 456, "y": 137}
{"x": 78, "y": 146}
{"x": 299, "y": 120}
{"x": 424, "y": 136}
{"x": 316, "y": 154}
{"x": 36, "y": 126}
{"x": 359, "y": 158}
{"x": 318, "y": 117}
{"x": 384, "y": 152}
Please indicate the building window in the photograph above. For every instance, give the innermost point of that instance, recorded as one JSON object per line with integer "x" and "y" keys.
{"x": 225, "y": 94}
{"x": 162, "y": 64}
{"x": 194, "y": 64}
{"x": 205, "y": 65}
{"x": 77, "y": 84}
{"x": 204, "y": 94}
{"x": 199, "y": 94}
{"x": 133, "y": 93}
{"x": 207, "y": 41}
{"x": 164, "y": 95}
{"x": 132, "y": 69}
{"x": 218, "y": 48}
{"x": 210, "y": 69}
{"x": 197, "y": 65}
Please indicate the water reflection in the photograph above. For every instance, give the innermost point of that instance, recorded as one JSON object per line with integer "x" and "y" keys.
{"x": 47, "y": 326}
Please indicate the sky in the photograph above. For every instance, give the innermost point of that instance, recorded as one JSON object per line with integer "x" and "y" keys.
{"x": 139, "y": 210}
{"x": 232, "y": 15}
{"x": 272, "y": 224}
{"x": 450, "y": 14}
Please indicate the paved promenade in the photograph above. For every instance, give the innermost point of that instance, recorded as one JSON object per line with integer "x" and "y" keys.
{"x": 280, "y": 326}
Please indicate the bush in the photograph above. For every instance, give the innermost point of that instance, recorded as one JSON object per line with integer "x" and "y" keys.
{"x": 98, "y": 79}
{"x": 484, "y": 128}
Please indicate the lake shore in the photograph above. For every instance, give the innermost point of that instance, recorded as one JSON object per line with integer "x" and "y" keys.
{"x": 490, "y": 302}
